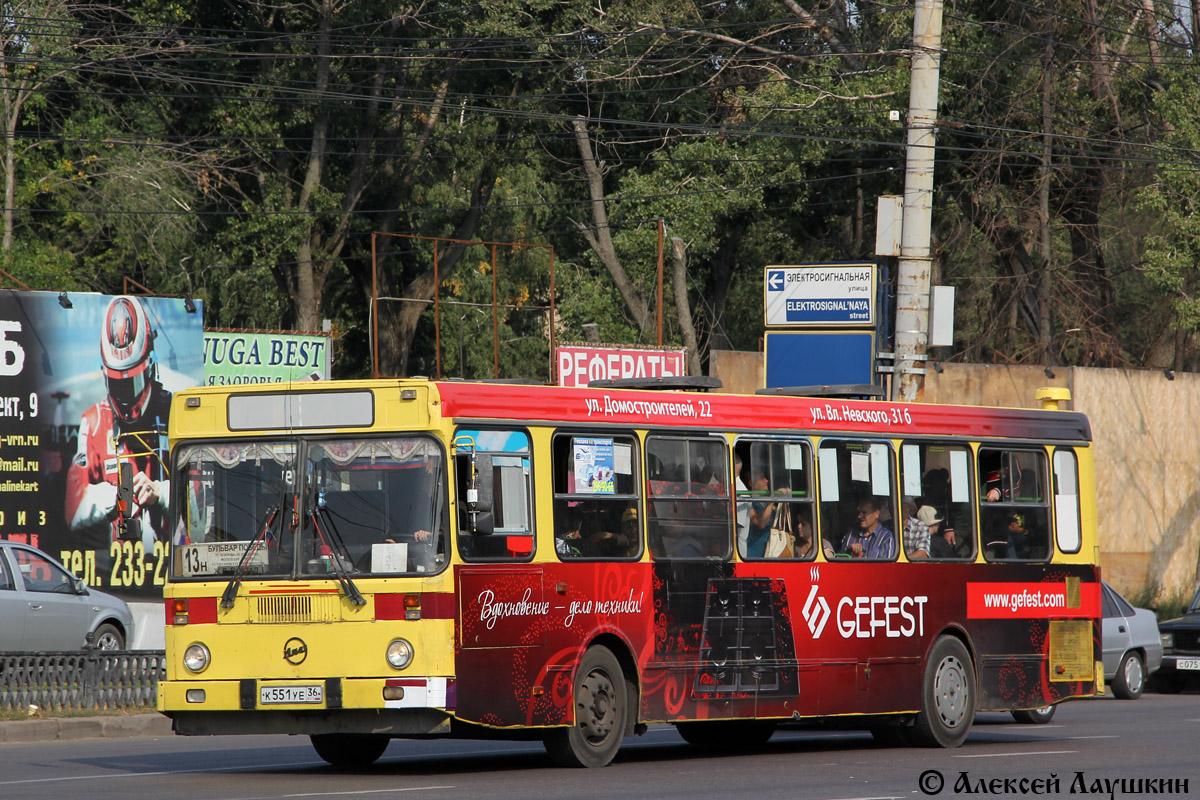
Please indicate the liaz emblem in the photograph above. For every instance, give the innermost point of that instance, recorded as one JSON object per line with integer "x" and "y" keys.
{"x": 295, "y": 651}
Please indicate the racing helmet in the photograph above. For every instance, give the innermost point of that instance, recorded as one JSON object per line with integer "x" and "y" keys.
{"x": 127, "y": 355}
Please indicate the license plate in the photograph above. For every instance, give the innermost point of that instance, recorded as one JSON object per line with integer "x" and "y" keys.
{"x": 1188, "y": 663}
{"x": 272, "y": 695}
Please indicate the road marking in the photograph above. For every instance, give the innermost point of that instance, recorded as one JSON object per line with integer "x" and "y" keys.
{"x": 1030, "y": 753}
{"x": 363, "y": 791}
{"x": 338, "y": 794}
{"x": 1105, "y": 736}
{"x": 160, "y": 773}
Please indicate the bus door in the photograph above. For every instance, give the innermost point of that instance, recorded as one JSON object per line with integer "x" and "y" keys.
{"x": 503, "y": 604}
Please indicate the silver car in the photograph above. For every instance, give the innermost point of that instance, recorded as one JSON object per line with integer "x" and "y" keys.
{"x": 45, "y": 607}
{"x": 1131, "y": 644}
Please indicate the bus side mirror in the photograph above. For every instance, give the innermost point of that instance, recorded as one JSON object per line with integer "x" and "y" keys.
{"x": 483, "y": 524}
{"x": 125, "y": 489}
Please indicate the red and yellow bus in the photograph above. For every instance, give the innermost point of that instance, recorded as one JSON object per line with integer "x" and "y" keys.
{"x": 360, "y": 561}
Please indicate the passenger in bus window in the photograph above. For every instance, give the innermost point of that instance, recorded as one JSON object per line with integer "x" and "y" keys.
{"x": 601, "y": 541}
{"x": 629, "y": 530}
{"x": 568, "y": 541}
{"x": 916, "y": 530}
{"x": 762, "y": 517}
{"x": 805, "y": 546}
{"x": 935, "y": 486}
{"x": 415, "y": 523}
{"x": 932, "y": 521}
{"x": 870, "y": 539}
{"x": 1018, "y": 536}
{"x": 679, "y": 542}
{"x": 946, "y": 544}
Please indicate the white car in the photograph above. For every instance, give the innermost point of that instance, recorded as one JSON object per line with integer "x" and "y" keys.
{"x": 45, "y": 607}
{"x": 1131, "y": 644}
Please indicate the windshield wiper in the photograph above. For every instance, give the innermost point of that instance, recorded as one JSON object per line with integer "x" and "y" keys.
{"x": 231, "y": 589}
{"x": 335, "y": 556}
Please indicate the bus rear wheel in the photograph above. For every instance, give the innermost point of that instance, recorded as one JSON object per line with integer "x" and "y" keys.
{"x": 741, "y": 734}
{"x": 947, "y": 696}
{"x": 1035, "y": 716}
{"x": 349, "y": 749}
{"x": 601, "y": 714}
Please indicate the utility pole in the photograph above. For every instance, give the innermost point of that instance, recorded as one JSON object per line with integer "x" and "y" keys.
{"x": 912, "y": 287}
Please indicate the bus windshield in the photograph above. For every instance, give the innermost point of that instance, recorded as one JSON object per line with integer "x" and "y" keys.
{"x": 352, "y": 506}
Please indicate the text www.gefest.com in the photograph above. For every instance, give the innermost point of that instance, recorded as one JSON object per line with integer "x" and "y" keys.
{"x": 1015, "y": 601}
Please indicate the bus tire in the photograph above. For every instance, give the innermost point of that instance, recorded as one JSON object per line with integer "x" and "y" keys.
{"x": 601, "y": 714}
{"x": 1035, "y": 716}
{"x": 947, "y": 696}
{"x": 740, "y": 734}
{"x": 1130, "y": 679}
{"x": 349, "y": 749}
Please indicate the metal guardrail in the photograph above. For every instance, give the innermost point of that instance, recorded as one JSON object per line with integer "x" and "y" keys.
{"x": 88, "y": 679}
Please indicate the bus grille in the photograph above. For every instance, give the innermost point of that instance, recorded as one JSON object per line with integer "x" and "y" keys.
{"x": 294, "y": 608}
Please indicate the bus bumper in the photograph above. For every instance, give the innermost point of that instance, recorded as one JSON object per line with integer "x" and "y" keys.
{"x": 397, "y": 706}
{"x": 387, "y": 722}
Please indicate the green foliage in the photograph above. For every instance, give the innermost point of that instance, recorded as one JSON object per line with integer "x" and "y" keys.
{"x": 1172, "y": 251}
{"x": 194, "y": 148}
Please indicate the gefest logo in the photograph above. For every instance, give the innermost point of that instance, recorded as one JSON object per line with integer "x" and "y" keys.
{"x": 816, "y": 612}
{"x": 866, "y": 616}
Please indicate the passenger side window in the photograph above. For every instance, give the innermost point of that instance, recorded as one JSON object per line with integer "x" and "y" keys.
{"x": 858, "y": 498}
{"x": 595, "y": 496}
{"x": 40, "y": 575}
{"x": 499, "y": 463}
{"x": 1014, "y": 516}
{"x": 774, "y": 491}
{"x": 936, "y": 502}
{"x": 688, "y": 513}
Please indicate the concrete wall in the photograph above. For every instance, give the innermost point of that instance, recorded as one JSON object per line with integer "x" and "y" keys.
{"x": 741, "y": 373}
{"x": 1147, "y": 455}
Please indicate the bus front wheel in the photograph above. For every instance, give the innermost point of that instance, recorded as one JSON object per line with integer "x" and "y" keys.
{"x": 947, "y": 696}
{"x": 601, "y": 714}
{"x": 349, "y": 749}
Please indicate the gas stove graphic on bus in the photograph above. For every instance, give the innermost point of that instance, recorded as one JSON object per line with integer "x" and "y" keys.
{"x": 747, "y": 645}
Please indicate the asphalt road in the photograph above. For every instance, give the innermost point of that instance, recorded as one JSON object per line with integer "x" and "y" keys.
{"x": 1090, "y": 741}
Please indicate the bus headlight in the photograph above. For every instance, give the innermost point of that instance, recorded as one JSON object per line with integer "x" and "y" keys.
{"x": 196, "y": 658}
{"x": 399, "y": 653}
